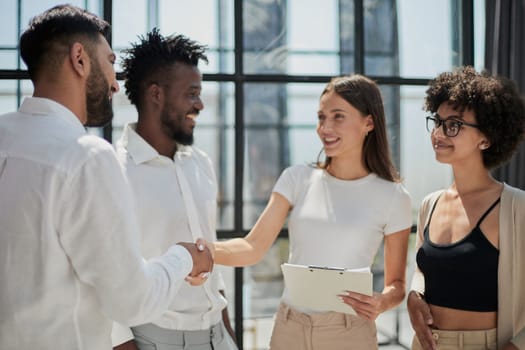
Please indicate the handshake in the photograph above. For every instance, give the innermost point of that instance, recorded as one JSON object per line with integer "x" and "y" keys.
{"x": 202, "y": 253}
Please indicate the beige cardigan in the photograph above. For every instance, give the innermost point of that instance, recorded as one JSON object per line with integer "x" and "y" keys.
{"x": 511, "y": 269}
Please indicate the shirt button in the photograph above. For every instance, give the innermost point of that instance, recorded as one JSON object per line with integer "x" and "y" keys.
{"x": 435, "y": 336}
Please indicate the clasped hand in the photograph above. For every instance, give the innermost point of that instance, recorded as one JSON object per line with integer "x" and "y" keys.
{"x": 202, "y": 262}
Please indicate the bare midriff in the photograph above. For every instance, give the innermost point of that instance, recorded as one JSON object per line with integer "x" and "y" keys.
{"x": 452, "y": 319}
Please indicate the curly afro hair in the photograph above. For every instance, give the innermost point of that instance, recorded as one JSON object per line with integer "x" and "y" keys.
{"x": 495, "y": 101}
{"x": 147, "y": 61}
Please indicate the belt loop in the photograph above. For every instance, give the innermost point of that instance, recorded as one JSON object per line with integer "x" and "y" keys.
{"x": 348, "y": 321}
{"x": 461, "y": 340}
{"x": 286, "y": 312}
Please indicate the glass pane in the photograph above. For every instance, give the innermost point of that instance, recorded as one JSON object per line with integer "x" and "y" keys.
{"x": 425, "y": 37}
{"x": 421, "y": 172}
{"x": 8, "y": 97}
{"x": 302, "y": 35}
{"x": 312, "y": 64}
{"x": 390, "y": 95}
{"x": 303, "y": 104}
{"x": 261, "y": 169}
{"x": 9, "y": 32}
{"x": 129, "y": 21}
{"x": 213, "y": 134}
{"x": 381, "y": 56}
{"x": 9, "y": 58}
{"x": 31, "y": 8}
{"x": 217, "y": 33}
{"x": 172, "y": 17}
{"x": 305, "y": 146}
{"x": 266, "y": 144}
{"x": 479, "y": 34}
{"x": 284, "y": 37}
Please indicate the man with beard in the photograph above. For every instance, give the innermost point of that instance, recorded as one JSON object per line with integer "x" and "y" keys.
{"x": 69, "y": 253}
{"x": 174, "y": 186}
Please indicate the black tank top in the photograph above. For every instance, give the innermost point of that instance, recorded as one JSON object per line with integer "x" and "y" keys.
{"x": 462, "y": 275}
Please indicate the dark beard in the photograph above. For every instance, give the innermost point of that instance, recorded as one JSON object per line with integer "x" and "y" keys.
{"x": 174, "y": 130}
{"x": 99, "y": 108}
{"x": 183, "y": 138}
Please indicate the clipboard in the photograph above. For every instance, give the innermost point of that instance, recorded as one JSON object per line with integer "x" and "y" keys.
{"x": 317, "y": 287}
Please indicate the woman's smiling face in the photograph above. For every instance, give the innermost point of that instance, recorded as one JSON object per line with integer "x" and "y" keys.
{"x": 341, "y": 127}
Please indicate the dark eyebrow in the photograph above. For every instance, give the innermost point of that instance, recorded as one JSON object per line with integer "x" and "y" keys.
{"x": 195, "y": 87}
{"x": 449, "y": 117}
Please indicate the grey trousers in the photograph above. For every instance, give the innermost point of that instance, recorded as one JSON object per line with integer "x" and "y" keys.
{"x": 152, "y": 337}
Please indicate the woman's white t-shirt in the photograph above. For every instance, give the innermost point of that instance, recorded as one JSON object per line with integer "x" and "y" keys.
{"x": 337, "y": 222}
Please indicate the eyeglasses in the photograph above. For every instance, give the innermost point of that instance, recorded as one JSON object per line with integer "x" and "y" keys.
{"x": 451, "y": 125}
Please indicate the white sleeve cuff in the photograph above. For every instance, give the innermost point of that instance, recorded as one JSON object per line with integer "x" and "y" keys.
{"x": 120, "y": 334}
{"x": 184, "y": 258}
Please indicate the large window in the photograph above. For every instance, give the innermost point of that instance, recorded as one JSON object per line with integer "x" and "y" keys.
{"x": 269, "y": 61}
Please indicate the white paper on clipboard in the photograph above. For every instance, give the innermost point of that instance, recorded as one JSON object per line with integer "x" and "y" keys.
{"x": 317, "y": 288}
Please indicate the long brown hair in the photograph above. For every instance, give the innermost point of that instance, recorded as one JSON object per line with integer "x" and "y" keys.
{"x": 364, "y": 95}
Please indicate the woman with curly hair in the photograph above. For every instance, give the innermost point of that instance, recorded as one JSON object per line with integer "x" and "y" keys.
{"x": 468, "y": 291}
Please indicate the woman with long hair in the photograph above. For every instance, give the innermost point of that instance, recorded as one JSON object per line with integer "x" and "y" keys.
{"x": 339, "y": 210}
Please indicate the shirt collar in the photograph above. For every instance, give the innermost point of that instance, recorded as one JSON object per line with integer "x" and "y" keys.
{"x": 141, "y": 151}
{"x": 45, "y": 106}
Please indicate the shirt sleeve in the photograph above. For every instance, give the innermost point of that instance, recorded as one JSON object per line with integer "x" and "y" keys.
{"x": 98, "y": 231}
{"x": 400, "y": 217}
{"x": 286, "y": 185}
{"x": 120, "y": 334}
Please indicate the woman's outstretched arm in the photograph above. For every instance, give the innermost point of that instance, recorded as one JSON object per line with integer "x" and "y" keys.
{"x": 250, "y": 249}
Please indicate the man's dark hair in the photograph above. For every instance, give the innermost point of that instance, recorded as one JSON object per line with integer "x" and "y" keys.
{"x": 498, "y": 107}
{"x": 147, "y": 61}
{"x": 49, "y": 36}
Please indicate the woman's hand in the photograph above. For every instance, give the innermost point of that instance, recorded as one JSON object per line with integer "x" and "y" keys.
{"x": 197, "y": 280}
{"x": 202, "y": 244}
{"x": 421, "y": 320}
{"x": 368, "y": 307}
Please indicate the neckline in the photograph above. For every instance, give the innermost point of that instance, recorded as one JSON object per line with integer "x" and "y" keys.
{"x": 461, "y": 240}
{"x": 358, "y": 181}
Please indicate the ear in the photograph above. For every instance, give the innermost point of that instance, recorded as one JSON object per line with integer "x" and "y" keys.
{"x": 79, "y": 59}
{"x": 369, "y": 123}
{"x": 484, "y": 145}
{"x": 155, "y": 94}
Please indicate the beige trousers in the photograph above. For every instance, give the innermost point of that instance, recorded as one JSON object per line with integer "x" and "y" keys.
{"x": 294, "y": 330}
{"x": 462, "y": 340}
